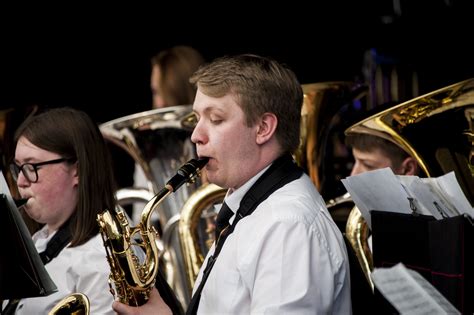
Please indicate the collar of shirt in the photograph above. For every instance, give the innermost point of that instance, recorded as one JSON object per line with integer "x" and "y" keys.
{"x": 41, "y": 238}
{"x": 233, "y": 197}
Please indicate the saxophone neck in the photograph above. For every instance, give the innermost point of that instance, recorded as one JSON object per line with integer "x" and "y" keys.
{"x": 152, "y": 204}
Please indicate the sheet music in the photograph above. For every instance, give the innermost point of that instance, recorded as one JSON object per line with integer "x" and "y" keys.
{"x": 409, "y": 292}
{"x": 428, "y": 199}
{"x": 377, "y": 190}
{"x": 448, "y": 187}
{"x": 381, "y": 189}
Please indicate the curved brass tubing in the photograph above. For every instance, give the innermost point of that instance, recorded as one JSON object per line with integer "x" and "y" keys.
{"x": 198, "y": 207}
{"x": 357, "y": 232}
{"x": 73, "y": 304}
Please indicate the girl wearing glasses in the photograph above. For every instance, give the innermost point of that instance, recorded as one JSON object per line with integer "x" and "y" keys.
{"x": 63, "y": 168}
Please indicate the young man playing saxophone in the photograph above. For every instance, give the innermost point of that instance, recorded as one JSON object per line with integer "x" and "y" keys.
{"x": 284, "y": 255}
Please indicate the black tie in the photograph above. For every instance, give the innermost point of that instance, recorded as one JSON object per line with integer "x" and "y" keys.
{"x": 222, "y": 220}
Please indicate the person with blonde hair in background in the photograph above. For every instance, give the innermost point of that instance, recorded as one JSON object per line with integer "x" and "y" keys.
{"x": 169, "y": 82}
{"x": 170, "y": 73}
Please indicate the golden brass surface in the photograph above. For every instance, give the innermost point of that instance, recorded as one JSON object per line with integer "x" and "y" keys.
{"x": 357, "y": 232}
{"x": 403, "y": 123}
{"x": 74, "y": 304}
{"x": 322, "y": 104}
{"x": 198, "y": 210}
{"x": 437, "y": 129}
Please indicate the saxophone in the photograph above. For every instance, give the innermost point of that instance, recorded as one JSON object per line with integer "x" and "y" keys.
{"x": 131, "y": 279}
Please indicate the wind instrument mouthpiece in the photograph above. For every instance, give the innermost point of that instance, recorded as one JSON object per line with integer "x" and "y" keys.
{"x": 20, "y": 202}
{"x": 187, "y": 173}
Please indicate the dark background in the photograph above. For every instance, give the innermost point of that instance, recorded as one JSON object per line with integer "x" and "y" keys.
{"x": 97, "y": 59}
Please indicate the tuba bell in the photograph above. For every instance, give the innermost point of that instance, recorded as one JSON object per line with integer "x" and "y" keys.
{"x": 437, "y": 129}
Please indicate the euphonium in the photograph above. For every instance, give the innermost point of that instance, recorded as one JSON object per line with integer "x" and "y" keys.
{"x": 130, "y": 279}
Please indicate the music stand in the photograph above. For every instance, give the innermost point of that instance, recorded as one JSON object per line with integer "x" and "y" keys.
{"x": 22, "y": 273}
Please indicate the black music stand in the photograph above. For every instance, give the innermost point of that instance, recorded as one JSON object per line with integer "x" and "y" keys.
{"x": 440, "y": 250}
{"x": 22, "y": 273}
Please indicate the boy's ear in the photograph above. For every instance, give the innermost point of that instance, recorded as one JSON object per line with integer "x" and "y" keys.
{"x": 409, "y": 166}
{"x": 266, "y": 127}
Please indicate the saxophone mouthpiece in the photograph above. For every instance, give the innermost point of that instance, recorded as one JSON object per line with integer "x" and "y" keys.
{"x": 187, "y": 173}
{"x": 199, "y": 163}
{"x": 20, "y": 202}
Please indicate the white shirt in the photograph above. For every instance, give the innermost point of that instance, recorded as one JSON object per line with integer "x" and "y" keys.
{"x": 81, "y": 269}
{"x": 287, "y": 257}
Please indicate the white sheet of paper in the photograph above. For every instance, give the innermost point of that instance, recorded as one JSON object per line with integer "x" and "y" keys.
{"x": 408, "y": 183}
{"x": 377, "y": 190}
{"x": 428, "y": 199}
{"x": 448, "y": 186}
{"x": 409, "y": 292}
{"x": 3, "y": 185}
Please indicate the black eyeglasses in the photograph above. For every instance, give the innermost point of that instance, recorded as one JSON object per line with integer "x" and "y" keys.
{"x": 30, "y": 170}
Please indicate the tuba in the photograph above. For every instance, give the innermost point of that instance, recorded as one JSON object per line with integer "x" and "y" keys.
{"x": 324, "y": 105}
{"x": 326, "y": 108}
{"x": 158, "y": 141}
{"x": 446, "y": 116}
{"x": 132, "y": 280}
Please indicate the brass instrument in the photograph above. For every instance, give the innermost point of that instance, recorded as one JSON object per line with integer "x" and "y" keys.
{"x": 357, "y": 232}
{"x": 198, "y": 206}
{"x": 158, "y": 141}
{"x": 73, "y": 304}
{"x": 415, "y": 126}
{"x": 321, "y": 123}
{"x": 322, "y": 104}
{"x": 130, "y": 280}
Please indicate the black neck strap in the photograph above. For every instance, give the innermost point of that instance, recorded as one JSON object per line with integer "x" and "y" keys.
{"x": 281, "y": 172}
{"x": 62, "y": 237}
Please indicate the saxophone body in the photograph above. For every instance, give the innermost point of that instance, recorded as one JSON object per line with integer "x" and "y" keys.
{"x": 131, "y": 278}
